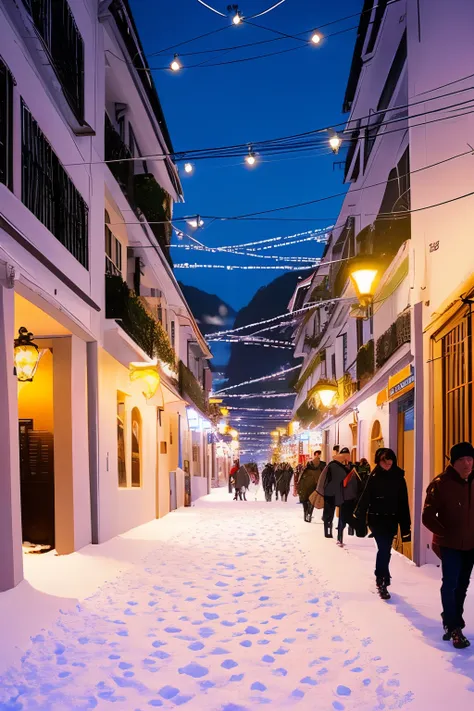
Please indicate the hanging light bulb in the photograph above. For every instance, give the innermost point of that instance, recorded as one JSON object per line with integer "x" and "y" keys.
{"x": 175, "y": 65}
{"x": 335, "y": 142}
{"x": 316, "y": 38}
{"x": 237, "y": 19}
{"x": 250, "y": 158}
{"x": 195, "y": 222}
{"x": 188, "y": 168}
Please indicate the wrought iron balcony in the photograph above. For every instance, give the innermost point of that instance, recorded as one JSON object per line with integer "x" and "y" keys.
{"x": 191, "y": 389}
{"x": 120, "y": 156}
{"x": 394, "y": 338}
{"x": 56, "y": 26}
{"x": 48, "y": 191}
{"x": 128, "y": 310}
{"x": 365, "y": 362}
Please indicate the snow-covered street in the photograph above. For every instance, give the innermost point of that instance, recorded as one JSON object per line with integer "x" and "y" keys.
{"x": 228, "y": 606}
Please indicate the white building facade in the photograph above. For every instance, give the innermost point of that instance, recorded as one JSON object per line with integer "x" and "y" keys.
{"x": 85, "y": 267}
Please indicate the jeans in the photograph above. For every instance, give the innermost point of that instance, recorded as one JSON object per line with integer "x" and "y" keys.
{"x": 457, "y": 568}
{"x": 384, "y": 553}
{"x": 329, "y": 509}
{"x": 307, "y": 509}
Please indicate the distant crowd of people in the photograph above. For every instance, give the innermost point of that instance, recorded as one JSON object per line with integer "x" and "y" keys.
{"x": 375, "y": 502}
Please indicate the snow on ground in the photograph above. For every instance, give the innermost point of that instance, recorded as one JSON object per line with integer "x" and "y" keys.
{"x": 227, "y": 606}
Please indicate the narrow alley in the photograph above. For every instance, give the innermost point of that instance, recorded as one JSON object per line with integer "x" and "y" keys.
{"x": 228, "y": 606}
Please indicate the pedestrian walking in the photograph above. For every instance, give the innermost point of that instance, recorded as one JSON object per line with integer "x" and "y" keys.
{"x": 283, "y": 481}
{"x": 232, "y": 474}
{"x": 268, "y": 481}
{"x": 384, "y": 507}
{"x": 449, "y": 514}
{"x": 308, "y": 482}
{"x": 330, "y": 485}
{"x": 350, "y": 495}
{"x": 242, "y": 483}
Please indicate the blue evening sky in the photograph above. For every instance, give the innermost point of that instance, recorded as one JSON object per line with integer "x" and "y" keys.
{"x": 239, "y": 103}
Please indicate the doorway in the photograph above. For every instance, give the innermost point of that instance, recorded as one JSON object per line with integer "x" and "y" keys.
{"x": 406, "y": 454}
{"x": 36, "y": 438}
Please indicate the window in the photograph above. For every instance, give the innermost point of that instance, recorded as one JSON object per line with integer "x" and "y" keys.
{"x": 379, "y": 13}
{"x": 121, "y": 460}
{"x": 48, "y": 191}
{"x": 376, "y": 439}
{"x": 113, "y": 250}
{"x": 6, "y": 126}
{"x": 456, "y": 362}
{"x": 360, "y": 332}
{"x": 55, "y": 24}
{"x": 386, "y": 96}
{"x": 344, "y": 352}
{"x": 333, "y": 366}
{"x": 136, "y": 448}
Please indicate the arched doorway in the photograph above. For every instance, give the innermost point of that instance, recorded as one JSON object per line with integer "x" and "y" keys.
{"x": 136, "y": 447}
{"x": 376, "y": 440}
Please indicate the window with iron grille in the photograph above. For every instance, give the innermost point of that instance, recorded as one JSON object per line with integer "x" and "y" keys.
{"x": 379, "y": 13}
{"x": 113, "y": 250}
{"x": 6, "y": 126}
{"x": 55, "y": 24}
{"x": 173, "y": 334}
{"x": 457, "y": 384}
{"x": 48, "y": 191}
{"x": 344, "y": 352}
{"x": 386, "y": 97}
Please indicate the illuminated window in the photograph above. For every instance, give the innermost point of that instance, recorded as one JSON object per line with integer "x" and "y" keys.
{"x": 136, "y": 447}
{"x": 121, "y": 461}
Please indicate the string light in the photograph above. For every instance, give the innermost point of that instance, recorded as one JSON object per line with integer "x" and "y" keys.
{"x": 245, "y": 267}
{"x": 259, "y": 380}
{"x": 175, "y": 65}
{"x": 195, "y": 222}
{"x": 188, "y": 168}
{"x": 250, "y": 158}
{"x": 316, "y": 38}
{"x": 334, "y": 141}
{"x": 237, "y": 18}
{"x": 252, "y": 396}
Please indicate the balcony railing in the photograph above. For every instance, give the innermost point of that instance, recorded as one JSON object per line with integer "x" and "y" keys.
{"x": 55, "y": 24}
{"x": 190, "y": 387}
{"x": 118, "y": 153}
{"x": 6, "y": 124}
{"x": 48, "y": 191}
{"x": 365, "y": 362}
{"x": 394, "y": 338}
{"x": 128, "y": 310}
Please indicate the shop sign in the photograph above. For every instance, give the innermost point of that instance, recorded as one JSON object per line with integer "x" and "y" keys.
{"x": 401, "y": 383}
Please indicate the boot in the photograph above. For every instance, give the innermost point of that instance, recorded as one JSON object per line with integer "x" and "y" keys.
{"x": 382, "y": 588}
{"x": 328, "y": 530}
{"x": 459, "y": 640}
{"x": 340, "y": 538}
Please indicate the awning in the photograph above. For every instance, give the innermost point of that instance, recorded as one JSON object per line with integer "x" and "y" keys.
{"x": 382, "y": 397}
{"x": 401, "y": 383}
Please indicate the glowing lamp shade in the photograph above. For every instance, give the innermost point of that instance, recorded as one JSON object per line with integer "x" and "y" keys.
{"x": 237, "y": 19}
{"x": 335, "y": 143}
{"x": 148, "y": 377}
{"x": 188, "y": 168}
{"x": 364, "y": 281}
{"x": 315, "y": 38}
{"x": 26, "y": 356}
{"x": 175, "y": 65}
{"x": 251, "y": 158}
{"x": 195, "y": 222}
{"x": 327, "y": 396}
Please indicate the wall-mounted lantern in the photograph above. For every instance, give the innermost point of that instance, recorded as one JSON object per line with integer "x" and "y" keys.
{"x": 26, "y": 356}
{"x": 326, "y": 391}
{"x": 148, "y": 376}
{"x": 364, "y": 276}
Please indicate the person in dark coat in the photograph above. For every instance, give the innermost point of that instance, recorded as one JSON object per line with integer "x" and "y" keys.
{"x": 330, "y": 485}
{"x": 449, "y": 514}
{"x": 384, "y": 505}
{"x": 283, "y": 481}
{"x": 308, "y": 482}
{"x": 268, "y": 481}
{"x": 350, "y": 495}
{"x": 242, "y": 483}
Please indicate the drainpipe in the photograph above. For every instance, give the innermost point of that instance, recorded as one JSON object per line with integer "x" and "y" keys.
{"x": 419, "y": 434}
{"x": 93, "y": 427}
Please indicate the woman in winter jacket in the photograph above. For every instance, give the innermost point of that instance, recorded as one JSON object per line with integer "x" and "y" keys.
{"x": 330, "y": 485}
{"x": 384, "y": 505}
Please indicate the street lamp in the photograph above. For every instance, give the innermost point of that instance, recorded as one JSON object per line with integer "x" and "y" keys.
{"x": 175, "y": 65}
{"x": 334, "y": 141}
{"x": 364, "y": 275}
{"x": 26, "y": 356}
{"x": 326, "y": 391}
{"x": 148, "y": 376}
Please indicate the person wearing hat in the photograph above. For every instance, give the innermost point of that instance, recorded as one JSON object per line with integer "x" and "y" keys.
{"x": 449, "y": 514}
